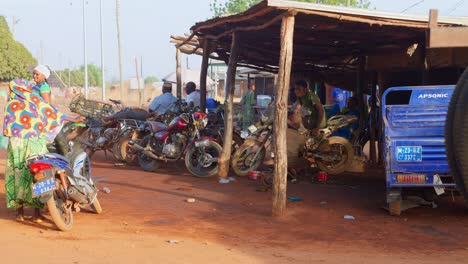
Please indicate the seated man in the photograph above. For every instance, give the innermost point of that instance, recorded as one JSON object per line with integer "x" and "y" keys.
{"x": 351, "y": 109}
{"x": 193, "y": 96}
{"x": 163, "y": 102}
{"x": 308, "y": 111}
{"x": 158, "y": 106}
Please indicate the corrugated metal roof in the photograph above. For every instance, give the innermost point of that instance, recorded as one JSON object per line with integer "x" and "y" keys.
{"x": 461, "y": 21}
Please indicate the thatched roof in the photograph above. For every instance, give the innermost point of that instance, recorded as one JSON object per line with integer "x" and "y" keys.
{"x": 327, "y": 38}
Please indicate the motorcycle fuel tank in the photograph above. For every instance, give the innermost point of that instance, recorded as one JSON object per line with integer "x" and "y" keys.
{"x": 157, "y": 126}
{"x": 178, "y": 124}
{"x": 162, "y": 135}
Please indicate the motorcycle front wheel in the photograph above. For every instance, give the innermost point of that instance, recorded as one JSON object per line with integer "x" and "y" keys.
{"x": 245, "y": 160}
{"x": 338, "y": 147}
{"x": 203, "y": 161}
{"x": 146, "y": 162}
{"x": 61, "y": 214}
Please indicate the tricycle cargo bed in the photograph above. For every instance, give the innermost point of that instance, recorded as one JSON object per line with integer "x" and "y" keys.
{"x": 414, "y": 119}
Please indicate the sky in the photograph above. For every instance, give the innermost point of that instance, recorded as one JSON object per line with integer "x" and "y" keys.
{"x": 55, "y": 27}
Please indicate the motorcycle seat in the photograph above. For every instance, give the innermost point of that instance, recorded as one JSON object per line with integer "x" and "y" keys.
{"x": 157, "y": 126}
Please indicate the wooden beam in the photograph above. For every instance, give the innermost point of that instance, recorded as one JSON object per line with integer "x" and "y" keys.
{"x": 179, "y": 73}
{"x": 204, "y": 74}
{"x": 448, "y": 37}
{"x": 281, "y": 116}
{"x": 230, "y": 83}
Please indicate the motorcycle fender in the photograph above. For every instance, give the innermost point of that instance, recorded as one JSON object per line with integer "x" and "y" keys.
{"x": 45, "y": 197}
{"x": 78, "y": 163}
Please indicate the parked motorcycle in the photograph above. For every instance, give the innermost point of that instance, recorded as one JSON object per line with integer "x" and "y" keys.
{"x": 134, "y": 130}
{"x": 64, "y": 182}
{"x": 215, "y": 129}
{"x": 250, "y": 155}
{"x": 181, "y": 137}
{"x": 330, "y": 153}
{"x": 108, "y": 135}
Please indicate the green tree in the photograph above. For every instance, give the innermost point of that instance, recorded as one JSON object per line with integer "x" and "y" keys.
{"x": 236, "y": 6}
{"x": 76, "y": 77}
{"x": 14, "y": 57}
{"x": 151, "y": 79}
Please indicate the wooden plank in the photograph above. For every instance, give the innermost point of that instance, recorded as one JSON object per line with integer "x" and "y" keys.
{"x": 281, "y": 115}
{"x": 203, "y": 75}
{"x": 448, "y": 37}
{"x": 224, "y": 160}
{"x": 179, "y": 73}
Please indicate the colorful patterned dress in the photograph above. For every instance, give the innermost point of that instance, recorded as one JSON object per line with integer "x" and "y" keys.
{"x": 27, "y": 120}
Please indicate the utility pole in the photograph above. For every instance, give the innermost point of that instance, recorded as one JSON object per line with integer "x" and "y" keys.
{"x": 120, "y": 48}
{"x": 102, "y": 56}
{"x": 85, "y": 51}
{"x": 13, "y": 26}
{"x": 138, "y": 81}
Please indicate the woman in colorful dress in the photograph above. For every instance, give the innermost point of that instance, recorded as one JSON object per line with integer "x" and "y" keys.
{"x": 28, "y": 117}
{"x": 40, "y": 75}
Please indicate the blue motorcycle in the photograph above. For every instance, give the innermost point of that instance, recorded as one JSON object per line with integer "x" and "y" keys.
{"x": 63, "y": 180}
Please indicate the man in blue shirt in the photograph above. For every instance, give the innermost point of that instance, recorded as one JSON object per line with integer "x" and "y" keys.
{"x": 164, "y": 102}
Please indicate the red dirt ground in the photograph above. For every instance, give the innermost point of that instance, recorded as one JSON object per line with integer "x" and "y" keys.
{"x": 232, "y": 224}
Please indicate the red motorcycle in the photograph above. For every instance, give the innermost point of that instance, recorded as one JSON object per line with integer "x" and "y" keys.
{"x": 181, "y": 137}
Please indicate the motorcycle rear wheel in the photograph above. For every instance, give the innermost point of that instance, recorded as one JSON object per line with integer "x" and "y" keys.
{"x": 147, "y": 163}
{"x": 196, "y": 166}
{"x": 241, "y": 162}
{"x": 62, "y": 216}
{"x": 336, "y": 145}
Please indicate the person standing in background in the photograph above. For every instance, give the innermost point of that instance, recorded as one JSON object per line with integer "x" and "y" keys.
{"x": 247, "y": 102}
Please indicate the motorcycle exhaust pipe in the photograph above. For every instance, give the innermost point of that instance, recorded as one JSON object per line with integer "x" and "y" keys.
{"x": 139, "y": 148}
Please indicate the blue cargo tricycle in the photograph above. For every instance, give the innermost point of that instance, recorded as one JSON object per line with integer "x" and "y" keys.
{"x": 414, "y": 142}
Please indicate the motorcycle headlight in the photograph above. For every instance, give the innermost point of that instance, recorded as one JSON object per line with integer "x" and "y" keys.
{"x": 204, "y": 122}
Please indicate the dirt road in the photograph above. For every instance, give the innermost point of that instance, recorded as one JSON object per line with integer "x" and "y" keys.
{"x": 232, "y": 224}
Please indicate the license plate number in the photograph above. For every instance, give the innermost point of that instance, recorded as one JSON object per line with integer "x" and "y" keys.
{"x": 409, "y": 154}
{"x": 43, "y": 187}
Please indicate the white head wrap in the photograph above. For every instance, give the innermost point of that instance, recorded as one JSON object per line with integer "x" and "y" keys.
{"x": 43, "y": 69}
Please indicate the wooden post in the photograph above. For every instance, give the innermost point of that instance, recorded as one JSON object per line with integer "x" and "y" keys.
{"x": 382, "y": 81}
{"x": 360, "y": 91}
{"x": 230, "y": 84}
{"x": 179, "y": 73}
{"x": 203, "y": 75}
{"x": 281, "y": 116}
{"x": 373, "y": 119}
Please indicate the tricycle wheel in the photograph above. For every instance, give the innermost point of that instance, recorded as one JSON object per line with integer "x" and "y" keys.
{"x": 456, "y": 134}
